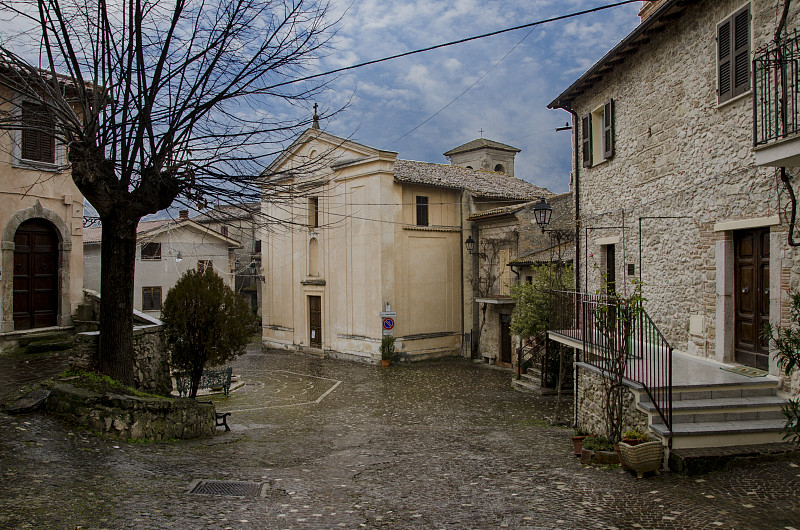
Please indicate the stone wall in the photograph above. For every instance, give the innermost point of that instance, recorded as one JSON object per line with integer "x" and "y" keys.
{"x": 591, "y": 400}
{"x": 126, "y": 417}
{"x": 150, "y": 358}
{"x": 678, "y": 153}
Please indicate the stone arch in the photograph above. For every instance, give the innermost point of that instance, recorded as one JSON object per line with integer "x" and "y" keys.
{"x": 499, "y": 168}
{"x": 37, "y": 211}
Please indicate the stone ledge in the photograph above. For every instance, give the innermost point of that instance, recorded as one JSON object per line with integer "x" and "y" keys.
{"x": 125, "y": 417}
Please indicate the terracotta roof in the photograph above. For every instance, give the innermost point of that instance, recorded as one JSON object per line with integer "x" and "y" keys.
{"x": 227, "y": 212}
{"x": 481, "y": 143}
{"x": 544, "y": 255}
{"x": 93, "y": 235}
{"x": 479, "y": 183}
{"x": 497, "y": 212}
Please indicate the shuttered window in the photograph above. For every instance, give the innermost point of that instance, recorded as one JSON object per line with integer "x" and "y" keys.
{"x": 586, "y": 139}
{"x": 204, "y": 265}
{"x": 38, "y": 134}
{"x": 733, "y": 55}
{"x": 151, "y": 298}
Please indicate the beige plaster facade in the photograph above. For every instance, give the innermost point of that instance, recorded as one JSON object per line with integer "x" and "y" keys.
{"x": 376, "y": 234}
{"x": 43, "y": 193}
{"x": 684, "y": 169}
{"x": 182, "y": 245}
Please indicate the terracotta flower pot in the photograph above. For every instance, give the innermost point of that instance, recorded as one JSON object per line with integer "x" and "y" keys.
{"x": 384, "y": 362}
{"x": 577, "y": 444}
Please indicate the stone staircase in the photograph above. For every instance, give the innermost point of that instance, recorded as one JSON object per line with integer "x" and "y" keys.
{"x": 720, "y": 414}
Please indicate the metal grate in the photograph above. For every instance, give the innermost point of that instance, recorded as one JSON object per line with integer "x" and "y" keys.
{"x": 227, "y": 488}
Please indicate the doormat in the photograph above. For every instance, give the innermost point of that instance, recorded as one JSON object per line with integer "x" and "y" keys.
{"x": 747, "y": 371}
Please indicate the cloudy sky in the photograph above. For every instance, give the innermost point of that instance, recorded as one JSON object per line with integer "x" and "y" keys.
{"x": 515, "y": 76}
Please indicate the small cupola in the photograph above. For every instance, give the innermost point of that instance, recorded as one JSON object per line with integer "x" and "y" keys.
{"x": 486, "y": 155}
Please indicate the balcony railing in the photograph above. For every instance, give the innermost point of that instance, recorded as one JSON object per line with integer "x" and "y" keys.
{"x": 776, "y": 77}
{"x": 613, "y": 337}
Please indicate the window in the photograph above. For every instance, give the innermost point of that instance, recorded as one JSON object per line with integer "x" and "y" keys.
{"x": 422, "y": 210}
{"x": 313, "y": 212}
{"x": 257, "y": 247}
{"x": 223, "y": 230}
{"x": 151, "y": 251}
{"x": 151, "y": 298}
{"x": 38, "y": 134}
{"x": 733, "y": 55}
{"x": 597, "y": 134}
{"x": 204, "y": 265}
{"x": 529, "y": 280}
{"x": 499, "y": 168}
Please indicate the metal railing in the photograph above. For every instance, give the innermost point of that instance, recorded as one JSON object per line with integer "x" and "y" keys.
{"x": 776, "y": 80}
{"x": 529, "y": 353}
{"x": 618, "y": 340}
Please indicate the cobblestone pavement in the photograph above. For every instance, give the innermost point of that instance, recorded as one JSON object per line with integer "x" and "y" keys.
{"x": 335, "y": 444}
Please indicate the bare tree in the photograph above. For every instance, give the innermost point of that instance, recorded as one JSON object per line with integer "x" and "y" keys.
{"x": 159, "y": 102}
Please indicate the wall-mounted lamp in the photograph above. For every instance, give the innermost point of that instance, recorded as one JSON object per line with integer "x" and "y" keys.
{"x": 470, "y": 244}
{"x": 566, "y": 127}
{"x": 179, "y": 258}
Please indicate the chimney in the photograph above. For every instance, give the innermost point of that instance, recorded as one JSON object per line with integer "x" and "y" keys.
{"x": 183, "y": 214}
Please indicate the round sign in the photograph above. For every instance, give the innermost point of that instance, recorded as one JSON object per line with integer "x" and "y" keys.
{"x": 388, "y": 323}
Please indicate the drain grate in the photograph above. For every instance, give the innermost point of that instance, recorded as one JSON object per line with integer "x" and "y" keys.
{"x": 227, "y": 488}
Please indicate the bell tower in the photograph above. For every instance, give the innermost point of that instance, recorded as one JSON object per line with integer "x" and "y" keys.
{"x": 486, "y": 155}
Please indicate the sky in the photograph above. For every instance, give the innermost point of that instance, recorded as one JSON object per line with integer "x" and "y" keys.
{"x": 515, "y": 76}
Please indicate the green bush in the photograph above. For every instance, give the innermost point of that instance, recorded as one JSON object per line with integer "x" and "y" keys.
{"x": 787, "y": 341}
{"x": 387, "y": 347}
{"x": 597, "y": 443}
{"x": 205, "y": 322}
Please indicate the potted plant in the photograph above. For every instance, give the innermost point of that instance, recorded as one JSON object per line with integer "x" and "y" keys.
{"x": 577, "y": 441}
{"x": 598, "y": 450}
{"x": 634, "y": 437}
{"x": 387, "y": 349}
{"x": 643, "y": 457}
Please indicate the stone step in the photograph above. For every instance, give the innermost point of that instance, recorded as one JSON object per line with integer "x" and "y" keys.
{"x": 766, "y": 387}
{"x": 722, "y": 409}
{"x": 702, "y": 460}
{"x": 526, "y": 385}
{"x": 722, "y": 433}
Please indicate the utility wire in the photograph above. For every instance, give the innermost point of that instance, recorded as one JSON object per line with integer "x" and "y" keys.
{"x": 451, "y": 43}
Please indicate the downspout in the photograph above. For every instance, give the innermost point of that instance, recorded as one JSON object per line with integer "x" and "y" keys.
{"x": 576, "y": 188}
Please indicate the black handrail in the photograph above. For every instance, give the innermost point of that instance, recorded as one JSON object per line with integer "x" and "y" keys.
{"x": 776, "y": 82}
{"x": 613, "y": 337}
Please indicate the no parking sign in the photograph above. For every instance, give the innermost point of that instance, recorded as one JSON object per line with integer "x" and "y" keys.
{"x": 388, "y": 322}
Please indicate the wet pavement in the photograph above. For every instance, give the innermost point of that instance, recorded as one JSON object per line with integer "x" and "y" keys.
{"x": 335, "y": 444}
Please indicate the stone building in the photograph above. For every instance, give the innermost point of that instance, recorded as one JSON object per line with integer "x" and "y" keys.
{"x": 508, "y": 246}
{"x": 671, "y": 191}
{"x": 362, "y": 232}
{"x": 41, "y": 215}
{"x": 166, "y": 249}
{"x": 239, "y": 222}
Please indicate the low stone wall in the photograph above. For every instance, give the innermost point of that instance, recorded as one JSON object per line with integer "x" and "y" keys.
{"x": 126, "y": 417}
{"x": 150, "y": 358}
{"x": 591, "y": 401}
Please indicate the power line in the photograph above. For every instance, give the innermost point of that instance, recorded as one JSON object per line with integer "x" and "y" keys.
{"x": 451, "y": 43}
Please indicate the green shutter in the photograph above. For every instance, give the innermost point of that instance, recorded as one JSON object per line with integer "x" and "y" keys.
{"x": 608, "y": 129}
{"x": 586, "y": 139}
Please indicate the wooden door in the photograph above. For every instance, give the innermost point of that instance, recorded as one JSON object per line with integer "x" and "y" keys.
{"x": 35, "y": 275}
{"x": 505, "y": 339}
{"x": 611, "y": 269}
{"x": 315, "y": 321}
{"x": 751, "y": 296}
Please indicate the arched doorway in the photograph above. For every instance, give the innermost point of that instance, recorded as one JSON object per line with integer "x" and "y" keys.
{"x": 35, "y": 275}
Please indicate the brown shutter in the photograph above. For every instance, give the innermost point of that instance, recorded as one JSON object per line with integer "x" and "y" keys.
{"x": 741, "y": 52}
{"x": 38, "y": 140}
{"x": 586, "y": 139}
{"x": 724, "y": 54}
{"x": 608, "y": 129}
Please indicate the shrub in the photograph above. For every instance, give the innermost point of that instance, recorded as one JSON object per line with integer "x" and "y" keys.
{"x": 597, "y": 443}
{"x": 205, "y": 321}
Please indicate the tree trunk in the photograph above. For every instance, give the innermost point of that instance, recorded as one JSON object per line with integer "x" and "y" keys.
{"x": 118, "y": 258}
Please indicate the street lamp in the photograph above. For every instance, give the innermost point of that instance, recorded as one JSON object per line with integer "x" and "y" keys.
{"x": 542, "y": 213}
{"x": 470, "y": 244}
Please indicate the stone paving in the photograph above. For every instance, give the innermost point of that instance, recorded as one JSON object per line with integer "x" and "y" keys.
{"x": 336, "y": 444}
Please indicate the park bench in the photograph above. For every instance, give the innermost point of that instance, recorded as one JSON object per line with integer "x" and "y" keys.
{"x": 210, "y": 379}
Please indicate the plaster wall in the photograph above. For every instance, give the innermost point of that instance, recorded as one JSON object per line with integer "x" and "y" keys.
{"x": 46, "y": 193}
